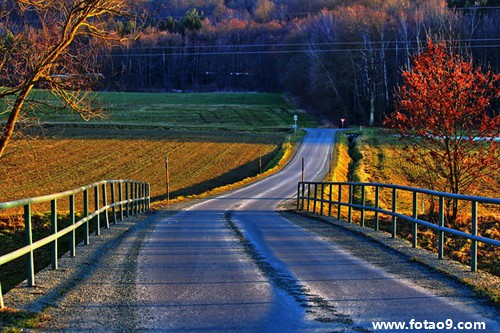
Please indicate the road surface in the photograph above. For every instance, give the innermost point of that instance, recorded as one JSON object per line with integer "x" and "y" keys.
{"x": 234, "y": 264}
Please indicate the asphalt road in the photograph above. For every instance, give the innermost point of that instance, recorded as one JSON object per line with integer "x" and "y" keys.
{"x": 234, "y": 264}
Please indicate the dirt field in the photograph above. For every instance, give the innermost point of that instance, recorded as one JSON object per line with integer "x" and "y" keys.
{"x": 70, "y": 158}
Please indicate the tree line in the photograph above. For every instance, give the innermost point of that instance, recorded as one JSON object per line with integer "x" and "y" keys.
{"x": 342, "y": 59}
{"x": 339, "y": 58}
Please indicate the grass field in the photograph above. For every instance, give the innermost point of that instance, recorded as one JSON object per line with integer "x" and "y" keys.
{"x": 218, "y": 111}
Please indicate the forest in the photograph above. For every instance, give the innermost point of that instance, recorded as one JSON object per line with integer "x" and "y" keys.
{"x": 336, "y": 58}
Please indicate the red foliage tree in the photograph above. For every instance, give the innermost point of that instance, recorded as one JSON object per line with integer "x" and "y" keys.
{"x": 444, "y": 114}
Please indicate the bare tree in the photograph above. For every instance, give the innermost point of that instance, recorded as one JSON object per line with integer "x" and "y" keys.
{"x": 53, "y": 45}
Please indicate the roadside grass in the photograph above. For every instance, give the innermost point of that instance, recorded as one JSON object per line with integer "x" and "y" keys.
{"x": 374, "y": 158}
{"x": 282, "y": 157}
{"x": 15, "y": 321}
{"x": 216, "y": 111}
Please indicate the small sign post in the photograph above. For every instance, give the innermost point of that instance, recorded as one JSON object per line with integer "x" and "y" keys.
{"x": 295, "y": 118}
{"x": 303, "y": 171}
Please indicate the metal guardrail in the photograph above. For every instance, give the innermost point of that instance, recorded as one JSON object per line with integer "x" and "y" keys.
{"x": 136, "y": 199}
{"x": 313, "y": 193}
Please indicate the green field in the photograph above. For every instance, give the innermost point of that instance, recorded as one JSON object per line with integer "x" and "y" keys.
{"x": 207, "y": 111}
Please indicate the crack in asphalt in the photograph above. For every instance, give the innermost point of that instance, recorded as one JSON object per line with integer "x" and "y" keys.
{"x": 315, "y": 306}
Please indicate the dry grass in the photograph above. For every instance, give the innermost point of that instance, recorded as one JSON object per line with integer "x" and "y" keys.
{"x": 380, "y": 162}
{"x": 54, "y": 165}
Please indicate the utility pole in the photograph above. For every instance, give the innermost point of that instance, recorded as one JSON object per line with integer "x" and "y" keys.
{"x": 260, "y": 163}
{"x": 167, "y": 178}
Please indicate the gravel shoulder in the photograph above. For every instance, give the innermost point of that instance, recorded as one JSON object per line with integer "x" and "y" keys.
{"x": 89, "y": 292}
{"x": 396, "y": 256}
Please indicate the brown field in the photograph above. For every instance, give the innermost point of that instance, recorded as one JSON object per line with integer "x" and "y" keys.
{"x": 197, "y": 162}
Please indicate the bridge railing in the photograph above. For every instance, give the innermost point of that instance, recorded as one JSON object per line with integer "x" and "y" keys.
{"x": 120, "y": 198}
{"x": 329, "y": 199}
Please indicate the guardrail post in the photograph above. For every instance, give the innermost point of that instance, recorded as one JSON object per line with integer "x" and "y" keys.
{"x": 322, "y": 203}
{"x": 148, "y": 187}
{"x": 143, "y": 195}
{"x": 377, "y": 206}
{"x": 1, "y": 297}
{"x": 73, "y": 221}
{"x": 303, "y": 195}
{"x": 29, "y": 241}
{"x": 298, "y": 195}
{"x": 127, "y": 199}
{"x": 53, "y": 230}
{"x": 133, "y": 195}
{"x": 97, "y": 217}
{"x": 473, "y": 246}
{"x": 394, "y": 207}
{"x": 422, "y": 204}
{"x": 120, "y": 198}
{"x": 330, "y": 201}
{"x": 105, "y": 203}
{"x": 315, "y": 198}
{"x": 339, "y": 208}
{"x": 113, "y": 201}
{"x": 363, "y": 205}
{"x": 139, "y": 198}
{"x": 441, "y": 232}
{"x": 308, "y": 196}
{"x": 349, "y": 212}
{"x": 132, "y": 198}
{"x": 86, "y": 214}
{"x": 415, "y": 215}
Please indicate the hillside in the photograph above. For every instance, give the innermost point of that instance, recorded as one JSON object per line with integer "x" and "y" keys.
{"x": 338, "y": 58}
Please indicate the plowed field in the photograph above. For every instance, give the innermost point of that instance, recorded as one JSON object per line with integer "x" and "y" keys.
{"x": 197, "y": 162}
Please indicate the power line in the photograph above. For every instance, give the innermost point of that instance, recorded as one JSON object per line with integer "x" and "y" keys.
{"x": 281, "y": 45}
{"x": 220, "y": 53}
{"x": 305, "y": 13}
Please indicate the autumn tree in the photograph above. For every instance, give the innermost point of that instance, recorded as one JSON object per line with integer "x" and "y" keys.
{"x": 264, "y": 10}
{"x": 51, "y": 44}
{"x": 444, "y": 115}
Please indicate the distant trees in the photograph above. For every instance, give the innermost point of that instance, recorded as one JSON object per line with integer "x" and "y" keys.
{"x": 51, "y": 45}
{"x": 443, "y": 113}
{"x": 190, "y": 22}
{"x": 341, "y": 59}
{"x": 264, "y": 10}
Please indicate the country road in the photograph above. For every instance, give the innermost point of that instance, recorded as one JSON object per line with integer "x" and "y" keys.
{"x": 235, "y": 264}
